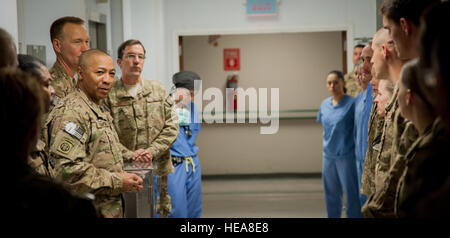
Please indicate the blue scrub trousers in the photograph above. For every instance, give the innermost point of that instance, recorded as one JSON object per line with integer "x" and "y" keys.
{"x": 338, "y": 175}
{"x": 360, "y": 168}
{"x": 194, "y": 190}
{"x": 185, "y": 190}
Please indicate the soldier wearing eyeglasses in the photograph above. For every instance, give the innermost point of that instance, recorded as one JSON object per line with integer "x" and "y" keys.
{"x": 142, "y": 111}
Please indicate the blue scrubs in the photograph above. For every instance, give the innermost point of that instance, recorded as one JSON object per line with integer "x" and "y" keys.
{"x": 363, "y": 106}
{"x": 184, "y": 184}
{"x": 194, "y": 182}
{"x": 338, "y": 169}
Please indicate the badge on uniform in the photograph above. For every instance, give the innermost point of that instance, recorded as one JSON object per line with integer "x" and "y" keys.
{"x": 74, "y": 130}
{"x": 65, "y": 146}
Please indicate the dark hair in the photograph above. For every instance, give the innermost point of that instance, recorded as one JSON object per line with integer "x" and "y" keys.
{"x": 434, "y": 50}
{"x": 340, "y": 76}
{"x": 408, "y": 9}
{"x": 57, "y": 25}
{"x": 411, "y": 77}
{"x": 125, "y": 44}
{"x": 359, "y": 46}
{"x": 30, "y": 64}
{"x": 21, "y": 104}
{"x": 7, "y": 53}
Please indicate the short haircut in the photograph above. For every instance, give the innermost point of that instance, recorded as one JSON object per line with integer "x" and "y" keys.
{"x": 359, "y": 46}
{"x": 7, "y": 52}
{"x": 125, "y": 44}
{"x": 408, "y": 9}
{"x": 22, "y": 105}
{"x": 57, "y": 26}
{"x": 88, "y": 53}
{"x": 380, "y": 37}
{"x": 31, "y": 65}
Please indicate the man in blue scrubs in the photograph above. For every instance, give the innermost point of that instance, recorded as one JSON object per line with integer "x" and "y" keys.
{"x": 363, "y": 107}
{"x": 184, "y": 185}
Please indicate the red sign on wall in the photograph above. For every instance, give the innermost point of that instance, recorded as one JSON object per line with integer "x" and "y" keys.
{"x": 231, "y": 59}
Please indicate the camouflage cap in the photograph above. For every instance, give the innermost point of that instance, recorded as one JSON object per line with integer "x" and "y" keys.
{"x": 185, "y": 79}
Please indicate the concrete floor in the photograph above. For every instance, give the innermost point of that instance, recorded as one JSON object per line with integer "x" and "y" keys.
{"x": 263, "y": 198}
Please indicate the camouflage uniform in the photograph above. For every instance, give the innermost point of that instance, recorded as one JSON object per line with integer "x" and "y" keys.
{"x": 85, "y": 148}
{"x": 375, "y": 130}
{"x": 351, "y": 85}
{"x": 381, "y": 203}
{"x": 61, "y": 82}
{"x": 426, "y": 171}
{"x": 146, "y": 122}
{"x": 383, "y": 161}
{"x": 38, "y": 160}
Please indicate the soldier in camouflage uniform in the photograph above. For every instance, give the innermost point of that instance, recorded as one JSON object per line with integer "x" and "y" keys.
{"x": 38, "y": 159}
{"x": 82, "y": 140}
{"x": 69, "y": 39}
{"x": 426, "y": 166}
{"x": 404, "y": 134}
{"x": 426, "y": 188}
{"x": 386, "y": 65}
{"x": 373, "y": 138}
{"x": 31, "y": 195}
{"x": 143, "y": 115}
{"x": 351, "y": 85}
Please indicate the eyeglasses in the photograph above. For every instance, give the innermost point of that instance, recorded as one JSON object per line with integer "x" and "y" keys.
{"x": 133, "y": 56}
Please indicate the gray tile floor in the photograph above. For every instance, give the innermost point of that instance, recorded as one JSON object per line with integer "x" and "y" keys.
{"x": 263, "y": 198}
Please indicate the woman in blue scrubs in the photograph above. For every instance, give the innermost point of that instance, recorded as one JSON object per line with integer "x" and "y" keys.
{"x": 336, "y": 114}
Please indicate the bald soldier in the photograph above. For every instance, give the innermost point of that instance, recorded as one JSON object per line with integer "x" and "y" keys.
{"x": 83, "y": 143}
{"x": 69, "y": 39}
{"x": 390, "y": 162}
{"x": 142, "y": 111}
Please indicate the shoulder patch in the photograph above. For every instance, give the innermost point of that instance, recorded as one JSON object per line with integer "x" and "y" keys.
{"x": 74, "y": 130}
{"x": 65, "y": 146}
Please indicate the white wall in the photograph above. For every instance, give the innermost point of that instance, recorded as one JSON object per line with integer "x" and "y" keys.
{"x": 8, "y": 18}
{"x": 143, "y": 20}
{"x": 36, "y": 17}
{"x": 94, "y": 8}
{"x": 116, "y": 29}
{"x": 202, "y": 17}
{"x": 296, "y": 64}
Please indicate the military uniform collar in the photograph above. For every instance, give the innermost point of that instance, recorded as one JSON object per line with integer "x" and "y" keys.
{"x": 393, "y": 99}
{"x": 58, "y": 68}
{"x": 122, "y": 92}
{"x": 94, "y": 107}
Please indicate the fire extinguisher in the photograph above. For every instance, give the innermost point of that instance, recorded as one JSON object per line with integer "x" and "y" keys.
{"x": 232, "y": 81}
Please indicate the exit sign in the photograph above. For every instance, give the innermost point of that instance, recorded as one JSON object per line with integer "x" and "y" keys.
{"x": 261, "y": 7}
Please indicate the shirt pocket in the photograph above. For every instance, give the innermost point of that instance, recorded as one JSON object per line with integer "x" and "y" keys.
{"x": 155, "y": 113}
{"x": 101, "y": 146}
{"x": 124, "y": 118}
